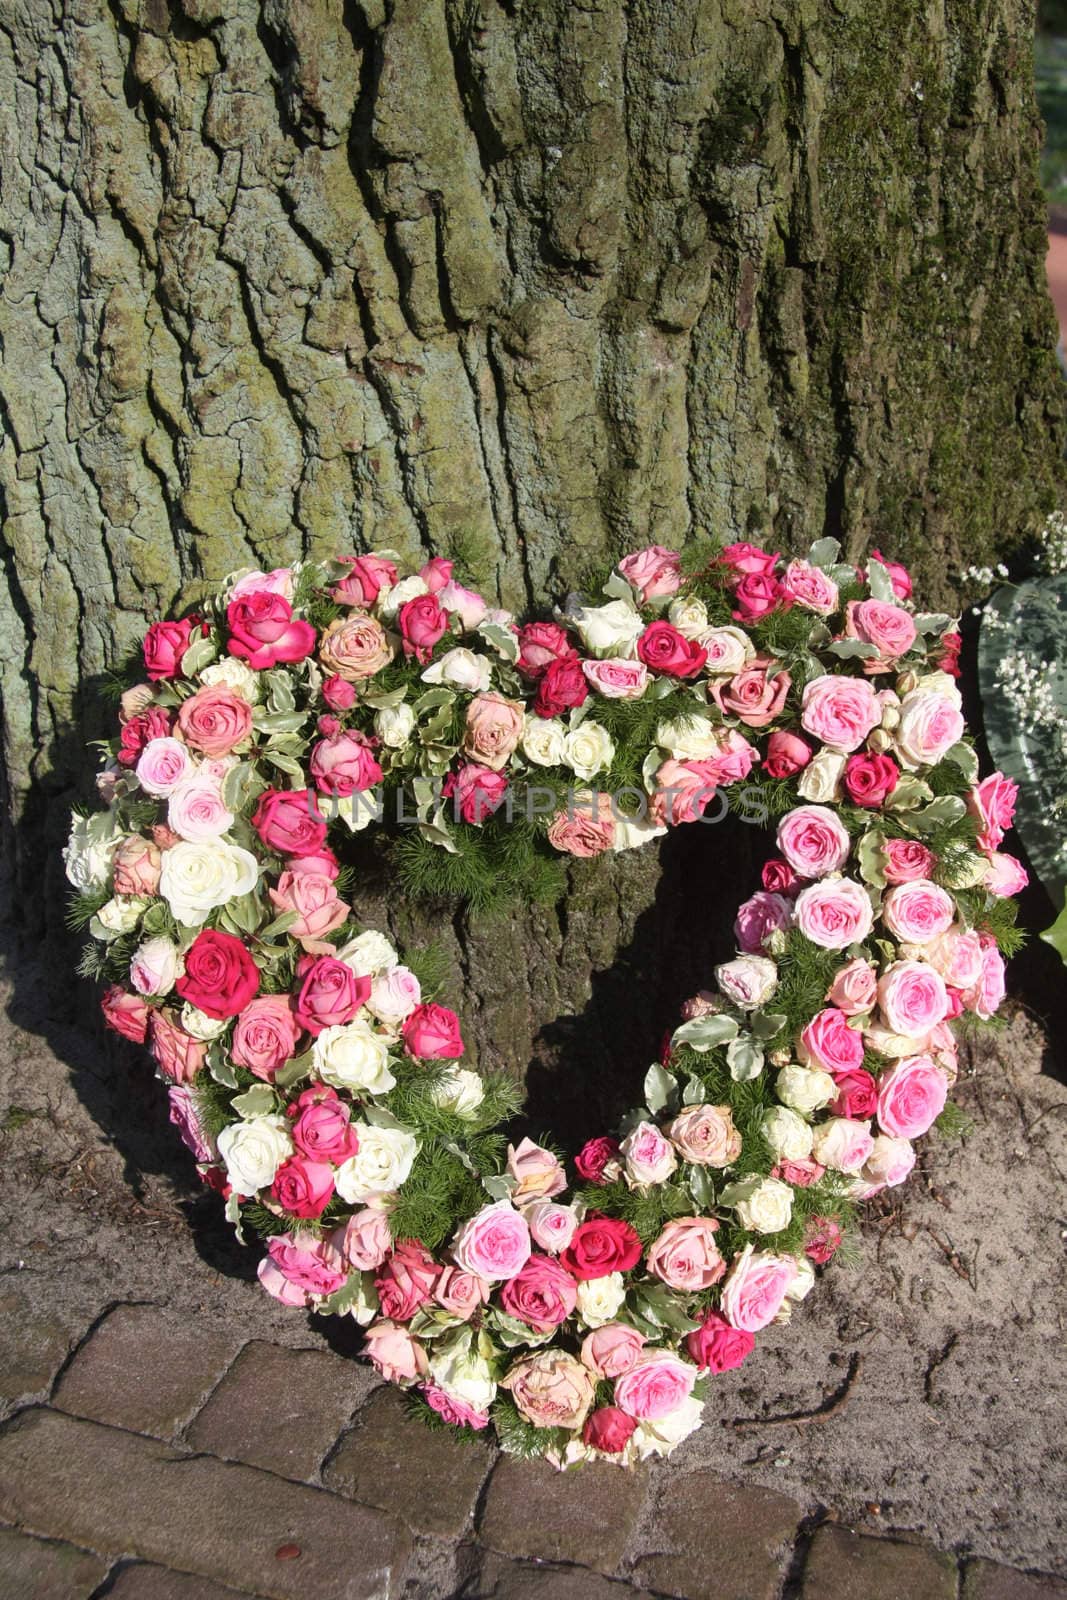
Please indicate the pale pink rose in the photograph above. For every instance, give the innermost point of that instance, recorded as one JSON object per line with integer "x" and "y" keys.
{"x": 855, "y": 987}
{"x": 911, "y": 1097}
{"x": 465, "y": 603}
{"x": 585, "y": 827}
{"x": 183, "y": 1114}
{"x": 279, "y": 1287}
{"x": 313, "y": 898}
{"x": 136, "y": 864}
{"x": 162, "y": 765}
{"x": 310, "y": 1264}
{"x": 755, "y": 1287}
{"x": 912, "y": 997}
{"x": 930, "y": 724}
{"x": 705, "y": 1135}
{"x": 685, "y": 1255}
{"x": 842, "y": 1144}
{"x": 748, "y": 981}
{"x": 840, "y": 711}
{"x": 727, "y": 649}
{"x": 611, "y": 1350}
{"x": 684, "y": 790}
{"x": 813, "y": 840}
{"x": 984, "y": 999}
{"x": 215, "y": 720}
{"x": 280, "y": 581}
{"x": 551, "y": 1389}
{"x": 649, "y": 1157}
{"x": 155, "y": 966}
{"x": 889, "y": 628}
{"x": 941, "y": 1044}
{"x": 810, "y": 588}
{"x": 760, "y": 916}
{"x": 494, "y": 728}
{"x": 906, "y": 860}
{"x": 494, "y": 1243}
{"x": 888, "y": 1164}
{"x": 828, "y": 1042}
{"x": 918, "y": 911}
{"x": 957, "y": 955}
{"x": 394, "y": 995}
{"x": 655, "y": 1385}
{"x": 1006, "y": 875}
{"x": 365, "y": 1239}
{"x": 653, "y": 572}
{"x": 462, "y": 1293}
{"x": 452, "y": 1409}
{"x": 196, "y": 810}
{"x": 834, "y": 913}
{"x": 734, "y": 757}
{"x": 265, "y": 1035}
{"x": 537, "y": 1172}
{"x": 992, "y": 802}
{"x": 178, "y": 1055}
{"x": 355, "y": 647}
{"x": 134, "y": 700}
{"x": 756, "y": 694}
{"x": 551, "y": 1226}
{"x": 617, "y": 679}
{"x": 396, "y": 1355}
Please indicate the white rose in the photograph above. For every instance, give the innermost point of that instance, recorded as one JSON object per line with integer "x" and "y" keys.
{"x": 381, "y": 1164}
{"x": 843, "y": 1144}
{"x": 748, "y": 981}
{"x": 394, "y": 725}
{"x": 352, "y": 1056}
{"x": 366, "y": 1306}
{"x": 787, "y": 1134}
{"x": 464, "y": 1375}
{"x": 120, "y": 915}
{"x": 763, "y": 1205}
{"x": 200, "y": 1025}
{"x": 459, "y": 1090}
{"x": 357, "y": 811}
{"x": 600, "y": 1298}
{"x": 233, "y": 674}
{"x": 804, "y": 1281}
{"x": 942, "y": 683}
{"x": 368, "y": 954}
{"x": 611, "y": 630}
{"x": 690, "y": 617}
{"x": 196, "y": 877}
{"x": 588, "y": 749}
{"x": 93, "y": 841}
{"x": 394, "y": 995}
{"x": 390, "y": 600}
{"x": 462, "y": 669}
{"x": 632, "y": 832}
{"x": 155, "y": 966}
{"x": 659, "y": 1438}
{"x": 729, "y": 649}
{"x": 821, "y": 779}
{"x": 253, "y": 1151}
{"x": 543, "y": 741}
{"x": 805, "y": 1089}
{"x": 689, "y": 738}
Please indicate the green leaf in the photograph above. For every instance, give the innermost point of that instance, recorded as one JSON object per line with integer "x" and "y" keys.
{"x": 221, "y": 1068}
{"x": 355, "y": 1286}
{"x": 704, "y": 1033}
{"x": 701, "y": 1188}
{"x": 616, "y": 587}
{"x": 963, "y": 756}
{"x": 1056, "y": 935}
{"x": 278, "y": 721}
{"x": 824, "y": 553}
{"x": 661, "y": 1088}
{"x": 286, "y": 764}
{"x": 295, "y": 1068}
{"x": 280, "y": 696}
{"x": 767, "y": 1025}
{"x": 909, "y": 793}
{"x": 946, "y": 809}
{"x": 693, "y": 1093}
{"x": 872, "y": 857}
{"x": 259, "y": 1101}
{"x": 852, "y": 650}
{"x": 502, "y": 640}
{"x": 934, "y": 622}
{"x": 200, "y": 654}
{"x": 745, "y": 1060}
{"x": 432, "y": 699}
{"x": 881, "y": 584}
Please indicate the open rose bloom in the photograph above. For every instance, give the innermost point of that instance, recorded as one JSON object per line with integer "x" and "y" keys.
{"x": 583, "y": 1305}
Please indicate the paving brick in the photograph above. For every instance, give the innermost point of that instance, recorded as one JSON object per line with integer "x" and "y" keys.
{"x": 144, "y": 1582}
{"x": 145, "y": 1370}
{"x": 46, "y": 1569}
{"x": 424, "y": 1475}
{"x": 842, "y": 1565}
{"x": 500, "y": 1579}
{"x": 984, "y": 1580}
{"x": 716, "y": 1540}
{"x": 584, "y": 1517}
{"x": 123, "y": 1494}
{"x": 279, "y": 1409}
{"x": 33, "y": 1346}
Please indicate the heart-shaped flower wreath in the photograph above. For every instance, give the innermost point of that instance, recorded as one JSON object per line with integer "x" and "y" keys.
{"x": 317, "y": 1080}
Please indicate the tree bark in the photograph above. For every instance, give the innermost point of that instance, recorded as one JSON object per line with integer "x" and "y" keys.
{"x": 526, "y": 281}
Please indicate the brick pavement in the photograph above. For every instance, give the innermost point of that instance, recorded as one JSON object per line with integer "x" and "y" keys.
{"x": 147, "y": 1459}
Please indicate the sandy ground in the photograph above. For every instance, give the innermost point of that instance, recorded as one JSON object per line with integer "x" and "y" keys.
{"x": 928, "y": 1380}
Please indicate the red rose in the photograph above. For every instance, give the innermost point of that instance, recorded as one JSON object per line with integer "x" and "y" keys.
{"x": 164, "y": 645}
{"x": 664, "y": 649}
{"x": 871, "y": 779}
{"x": 405, "y": 1280}
{"x": 756, "y": 597}
{"x": 431, "y": 1033}
{"x": 263, "y": 630}
{"x": 290, "y": 822}
{"x": 542, "y": 1294}
{"x": 601, "y": 1245}
{"x": 779, "y": 877}
{"x": 125, "y": 1013}
{"x": 303, "y": 1188}
{"x": 155, "y": 723}
{"x": 594, "y": 1156}
{"x": 563, "y": 685}
{"x": 322, "y": 1125}
{"x": 608, "y": 1429}
{"x": 718, "y": 1346}
{"x": 360, "y": 585}
{"x": 330, "y": 994}
{"x": 899, "y": 577}
{"x": 951, "y": 643}
{"x": 422, "y": 622}
{"x": 478, "y": 791}
{"x": 822, "y": 1239}
{"x": 857, "y": 1094}
{"x": 220, "y": 975}
{"x": 540, "y": 644}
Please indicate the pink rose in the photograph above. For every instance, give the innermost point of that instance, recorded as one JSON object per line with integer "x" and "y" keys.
{"x": 164, "y": 645}
{"x": 453, "y": 1410}
{"x": 612, "y": 1349}
{"x": 290, "y": 822}
{"x": 748, "y": 560}
{"x": 919, "y": 911}
{"x": 760, "y": 916}
{"x": 196, "y": 810}
{"x": 705, "y": 1135}
{"x": 857, "y": 1095}
{"x": 870, "y": 778}
{"x": 461, "y": 1293}
{"x": 898, "y": 576}
{"x": 431, "y": 1033}
{"x": 477, "y": 791}
{"x": 303, "y": 1188}
{"x": 394, "y": 995}
{"x": 540, "y": 644}
{"x": 756, "y": 597}
{"x": 396, "y": 1355}
{"x": 842, "y": 1144}
{"x": 596, "y": 1158}
{"x": 828, "y": 1042}
{"x": 733, "y": 759}
{"x": 649, "y": 1157}
{"x": 126, "y": 1014}
{"x": 314, "y": 901}
{"x": 537, "y": 1172}
{"x": 811, "y": 588}
{"x": 306, "y": 1263}
{"x": 912, "y": 997}
{"x": 822, "y": 1240}
{"x": 405, "y": 1280}
{"x": 755, "y": 1288}
{"x": 215, "y": 720}
{"x": 466, "y": 604}
{"x": 137, "y": 731}
{"x": 889, "y": 1163}
{"x": 322, "y": 1125}
{"x": 663, "y": 649}
{"x": 840, "y": 711}
{"x": 178, "y": 1055}
{"x": 855, "y": 987}
{"x": 1006, "y": 875}
{"x": 887, "y": 627}
{"x": 154, "y": 967}
{"x": 355, "y": 648}
{"x": 365, "y": 1240}
{"x": 756, "y": 694}
{"x": 930, "y": 724}
{"x": 716, "y": 1346}
{"x": 184, "y": 1116}
{"x": 542, "y": 1294}
{"x": 344, "y": 764}
{"x": 813, "y": 841}
{"x": 801, "y": 1174}
{"x": 685, "y": 1255}
{"x": 906, "y": 860}
{"x": 984, "y": 1000}
{"x": 338, "y": 693}
{"x": 992, "y": 803}
{"x": 493, "y": 730}
{"x": 550, "y": 1389}
{"x": 585, "y": 828}
{"x": 834, "y": 913}
{"x": 617, "y": 679}
{"x": 653, "y": 572}
{"x": 911, "y": 1097}
{"x": 330, "y": 993}
{"x": 551, "y": 1226}
{"x": 684, "y": 790}
{"x": 494, "y": 1243}
{"x": 265, "y": 1036}
{"x": 787, "y": 753}
{"x": 264, "y": 632}
{"x": 162, "y": 765}
{"x": 278, "y": 581}
{"x": 608, "y": 1430}
{"x": 957, "y": 955}
{"x": 436, "y": 573}
{"x": 364, "y": 580}
{"x": 657, "y": 1384}
{"x": 422, "y": 622}
{"x": 136, "y": 863}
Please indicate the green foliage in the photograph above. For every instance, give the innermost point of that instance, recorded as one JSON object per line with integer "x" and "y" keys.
{"x": 82, "y": 907}
{"x": 993, "y": 914}
{"x": 419, "y": 1410}
{"x": 805, "y": 973}
{"x": 492, "y": 867}
{"x": 517, "y": 1437}
{"x": 440, "y": 1193}
{"x": 954, "y": 1123}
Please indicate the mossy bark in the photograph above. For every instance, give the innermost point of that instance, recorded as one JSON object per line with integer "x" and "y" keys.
{"x": 528, "y": 281}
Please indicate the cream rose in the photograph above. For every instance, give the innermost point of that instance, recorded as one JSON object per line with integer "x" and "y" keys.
{"x": 463, "y": 1375}
{"x": 119, "y": 915}
{"x": 692, "y": 737}
{"x": 600, "y": 1298}
{"x": 199, "y": 1025}
{"x": 232, "y": 674}
{"x": 381, "y": 1164}
{"x": 196, "y": 878}
{"x": 588, "y": 749}
{"x": 842, "y": 1144}
{"x": 748, "y": 982}
{"x": 544, "y": 741}
{"x": 458, "y": 1090}
{"x": 729, "y": 649}
{"x": 354, "y": 1057}
{"x": 788, "y": 1135}
{"x": 821, "y": 779}
{"x": 805, "y": 1089}
{"x": 690, "y": 617}
{"x": 461, "y": 669}
{"x": 394, "y": 725}
{"x": 367, "y": 954}
{"x": 253, "y": 1151}
{"x": 611, "y": 630}
{"x": 763, "y": 1205}
{"x": 89, "y": 850}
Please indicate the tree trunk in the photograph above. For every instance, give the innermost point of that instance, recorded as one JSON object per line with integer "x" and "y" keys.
{"x": 527, "y": 281}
